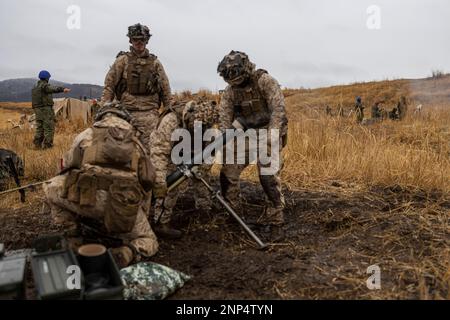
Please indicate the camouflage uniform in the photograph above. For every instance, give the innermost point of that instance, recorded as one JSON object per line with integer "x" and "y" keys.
{"x": 95, "y": 107}
{"x": 106, "y": 190}
{"x": 359, "y": 109}
{"x": 258, "y": 101}
{"x": 183, "y": 115}
{"x": 376, "y": 111}
{"x": 402, "y": 108}
{"x": 140, "y": 83}
{"x": 42, "y": 102}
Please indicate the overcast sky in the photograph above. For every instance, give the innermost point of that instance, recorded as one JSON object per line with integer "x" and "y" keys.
{"x": 302, "y": 43}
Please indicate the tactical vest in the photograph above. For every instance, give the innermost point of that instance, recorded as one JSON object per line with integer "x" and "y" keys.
{"x": 111, "y": 163}
{"x": 39, "y": 98}
{"x": 142, "y": 78}
{"x": 249, "y": 104}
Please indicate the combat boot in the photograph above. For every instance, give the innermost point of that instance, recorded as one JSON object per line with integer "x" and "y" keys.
{"x": 164, "y": 230}
{"x": 123, "y": 256}
{"x": 272, "y": 216}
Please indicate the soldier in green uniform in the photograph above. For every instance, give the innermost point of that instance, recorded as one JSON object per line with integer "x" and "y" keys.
{"x": 402, "y": 108}
{"x": 359, "y": 109}
{"x": 42, "y": 102}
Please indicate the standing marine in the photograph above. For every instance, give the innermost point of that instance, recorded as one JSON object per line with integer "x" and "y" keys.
{"x": 359, "y": 110}
{"x": 376, "y": 110}
{"x": 138, "y": 81}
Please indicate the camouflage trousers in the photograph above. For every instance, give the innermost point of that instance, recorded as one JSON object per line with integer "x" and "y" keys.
{"x": 230, "y": 182}
{"x": 359, "y": 115}
{"x": 45, "y": 127}
{"x": 163, "y": 211}
{"x": 145, "y": 122}
{"x": 141, "y": 238}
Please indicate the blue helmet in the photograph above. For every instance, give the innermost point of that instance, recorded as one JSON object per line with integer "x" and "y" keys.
{"x": 358, "y": 99}
{"x": 44, "y": 75}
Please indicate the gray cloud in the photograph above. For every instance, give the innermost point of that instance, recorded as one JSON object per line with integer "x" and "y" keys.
{"x": 303, "y": 43}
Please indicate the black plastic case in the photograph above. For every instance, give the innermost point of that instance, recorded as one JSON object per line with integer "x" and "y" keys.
{"x": 114, "y": 289}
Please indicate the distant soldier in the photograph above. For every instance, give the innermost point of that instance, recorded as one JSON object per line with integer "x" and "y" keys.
{"x": 103, "y": 191}
{"x": 328, "y": 111}
{"x": 255, "y": 100}
{"x": 94, "y": 108}
{"x": 180, "y": 115}
{"x": 359, "y": 110}
{"x": 137, "y": 79}
{"x": 42, "y": 103}
{"x": 394, "y": 114}
{"x": 402, "y": 108}
{"x": 376, "y": 111}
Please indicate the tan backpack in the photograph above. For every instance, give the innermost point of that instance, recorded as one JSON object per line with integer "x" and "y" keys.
{"x": 111, "y": 146}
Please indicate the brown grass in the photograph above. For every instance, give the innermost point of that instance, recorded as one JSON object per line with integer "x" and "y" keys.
{"x": 414, "y": 152}
{"x": 410, "y": 153}
{"x": 12, "y": 111}
{"x": 40, "y": 165}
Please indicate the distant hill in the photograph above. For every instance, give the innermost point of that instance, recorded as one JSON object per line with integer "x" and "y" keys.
{"x": 429, "y": 92}
{"x": 19, "y": 90}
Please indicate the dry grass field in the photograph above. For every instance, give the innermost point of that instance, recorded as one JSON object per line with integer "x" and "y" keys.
{"x": 12, "y": 111}
{"x": 356, "y": 196}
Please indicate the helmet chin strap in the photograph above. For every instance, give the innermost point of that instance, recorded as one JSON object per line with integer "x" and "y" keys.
{"x": 238, "y": 80}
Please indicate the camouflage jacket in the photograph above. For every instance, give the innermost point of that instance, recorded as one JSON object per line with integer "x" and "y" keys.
{"x": 118, "y": 73}
{"x": 271, "y": 93}
{"x": 41, "y": 94}
{"x": 182, "y": 115}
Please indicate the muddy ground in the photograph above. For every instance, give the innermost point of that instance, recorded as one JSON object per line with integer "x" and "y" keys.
{"x": 331, "y": 236}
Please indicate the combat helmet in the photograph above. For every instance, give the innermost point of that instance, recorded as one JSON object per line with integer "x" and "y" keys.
{"x": 235, "y": 68}
{"x": 44, "y": 75}
{"x": 139, "y": 31}
{"x": 115, "y": 109}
